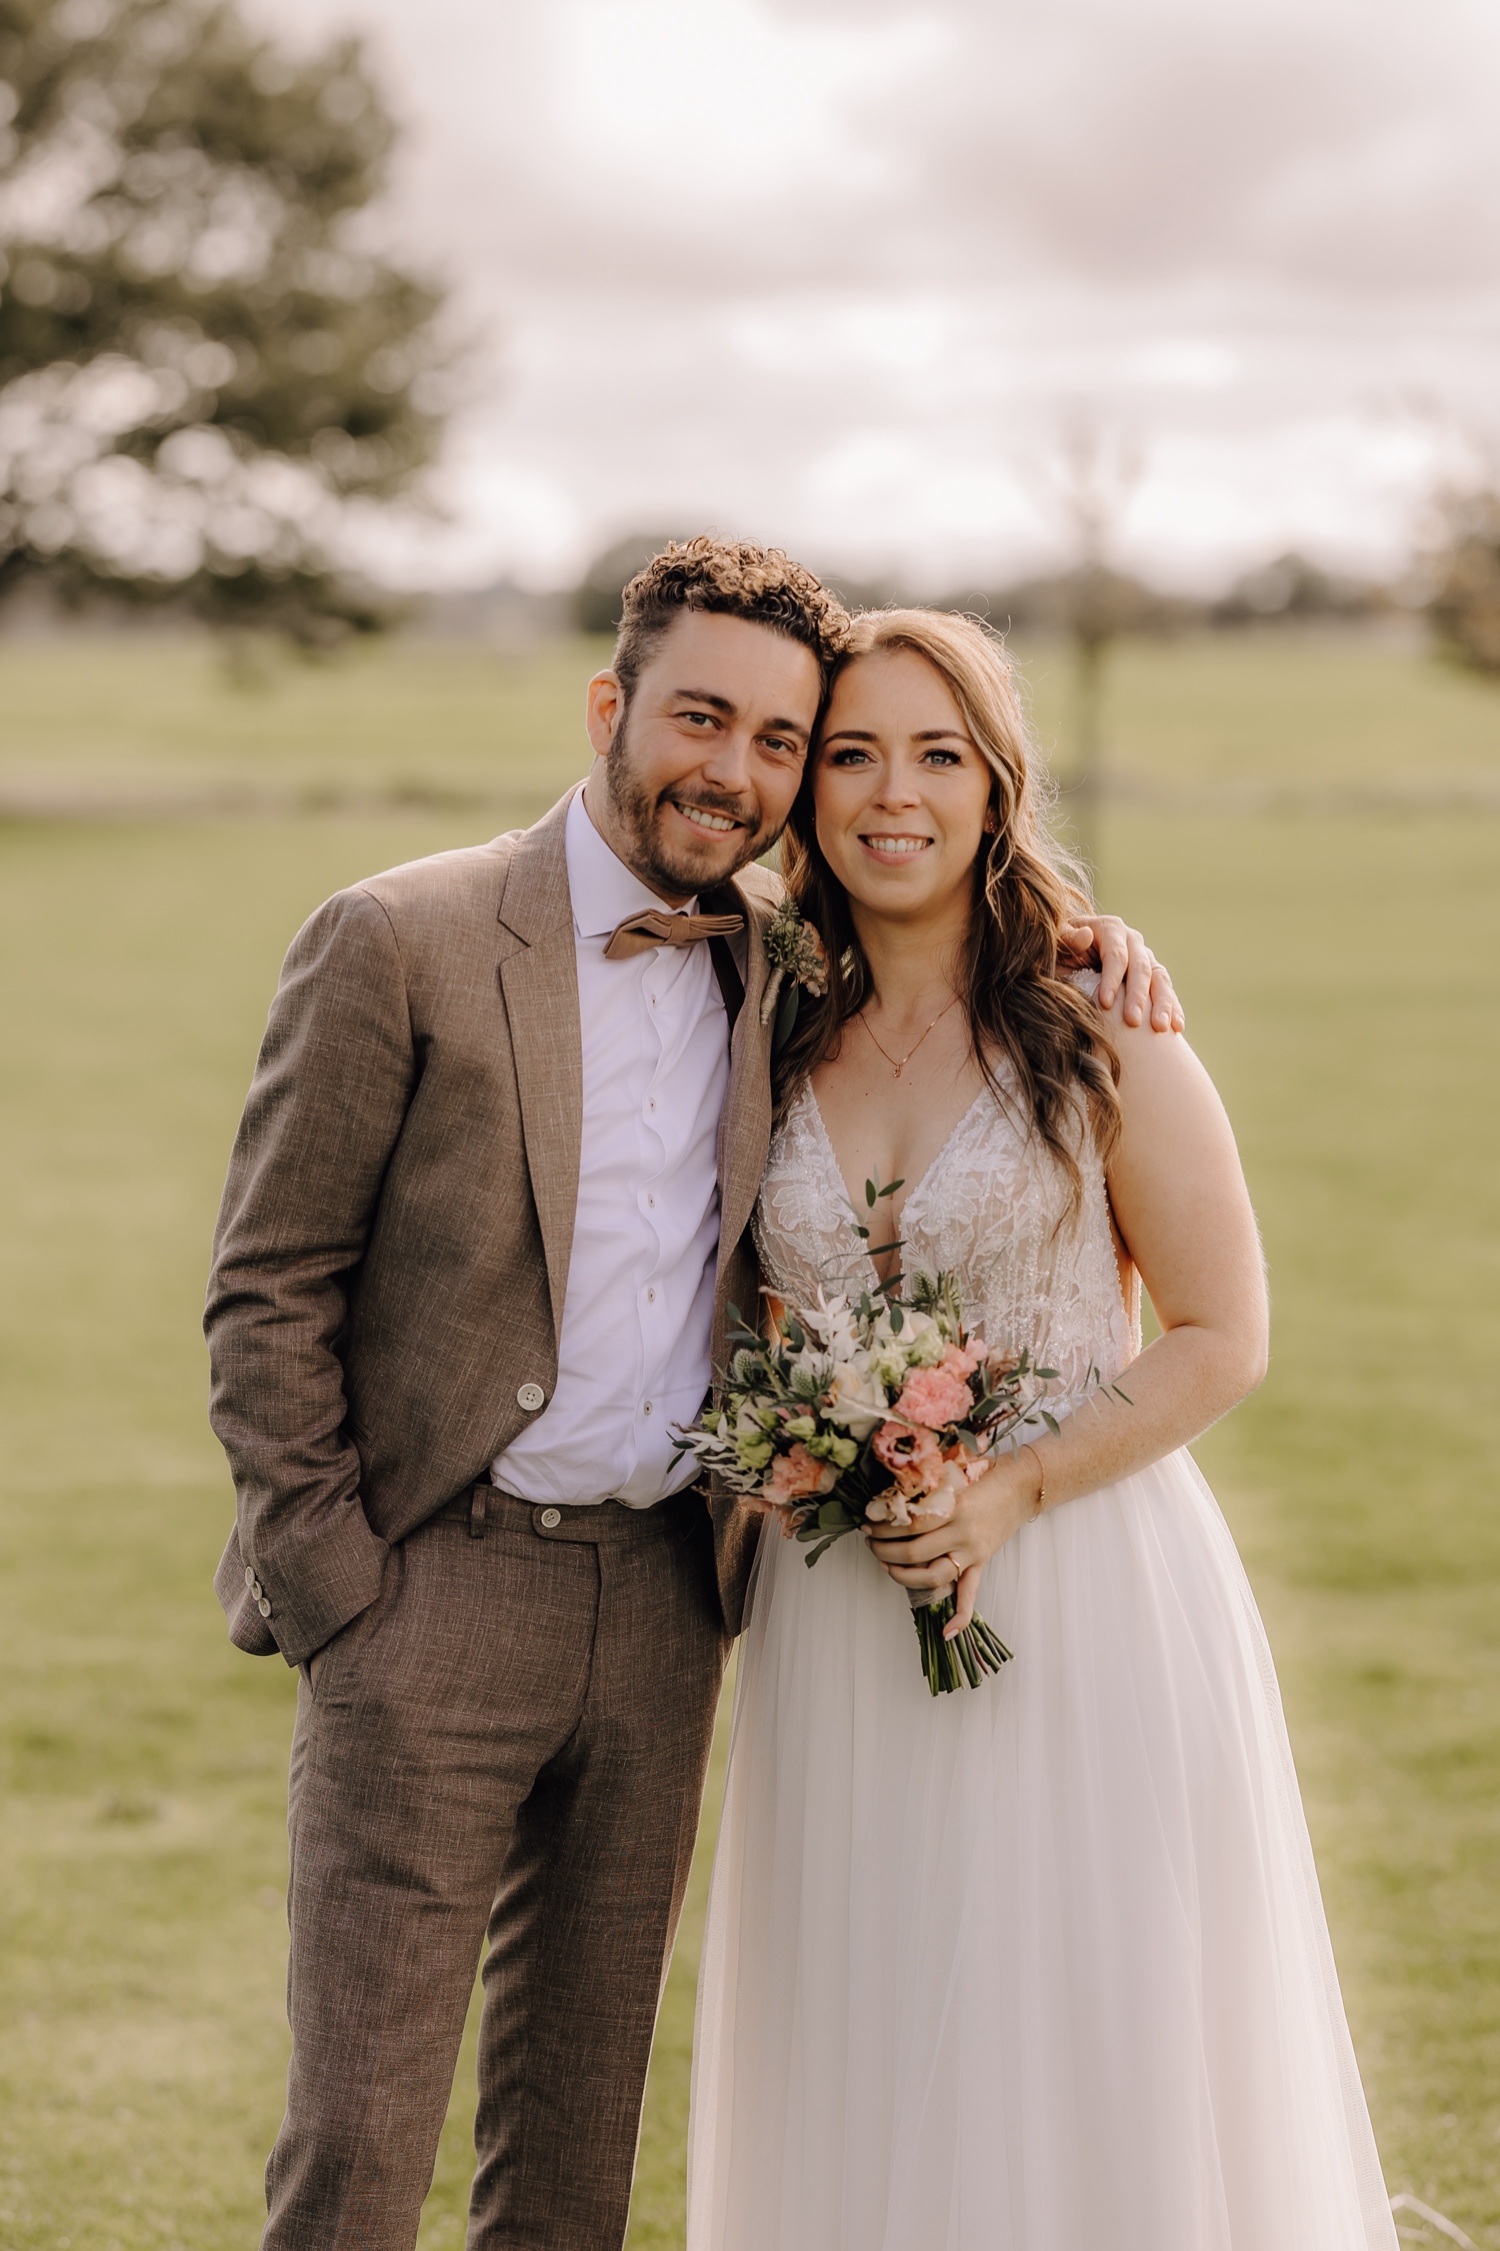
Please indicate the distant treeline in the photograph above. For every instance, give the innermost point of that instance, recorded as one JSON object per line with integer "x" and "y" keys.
{"x": 1288, "y": 589}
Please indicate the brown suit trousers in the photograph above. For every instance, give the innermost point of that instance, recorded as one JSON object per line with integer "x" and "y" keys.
{"x": 511, "y": 1740}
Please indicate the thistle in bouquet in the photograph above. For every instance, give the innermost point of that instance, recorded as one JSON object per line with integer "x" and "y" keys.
{"x": 872, "y": 1410}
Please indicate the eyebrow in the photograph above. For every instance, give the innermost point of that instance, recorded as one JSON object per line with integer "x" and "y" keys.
{"x": 726, "y": 704}
{"x": 702, "y": 695}
{"x": 924, "y": 735}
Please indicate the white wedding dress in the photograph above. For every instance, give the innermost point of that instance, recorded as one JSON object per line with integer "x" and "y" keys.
{"x": 1040, "y": 1966}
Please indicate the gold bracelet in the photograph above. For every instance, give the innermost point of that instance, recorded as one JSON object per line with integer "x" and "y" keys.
{"x": 1041, "y": 1471}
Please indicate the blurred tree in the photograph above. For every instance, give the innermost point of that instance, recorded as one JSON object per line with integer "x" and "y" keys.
{"x": 1095, "y": 474}
{"x": 203, "y": 370}
{"x": 1465, "y": 607}
{"x": 1049, "y": 604}
{"x": 596, "y": 601}
{"x": 1290, "y": 589}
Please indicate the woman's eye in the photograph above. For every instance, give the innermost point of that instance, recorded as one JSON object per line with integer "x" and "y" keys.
{"x": 851, "y": 757}
{"x": 941, "y": 757}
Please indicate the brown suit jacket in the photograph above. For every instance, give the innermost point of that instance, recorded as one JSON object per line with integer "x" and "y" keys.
{"x": 392, "y": 1248}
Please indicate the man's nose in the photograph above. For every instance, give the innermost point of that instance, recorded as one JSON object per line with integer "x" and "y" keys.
{"x": 727, "y": 765}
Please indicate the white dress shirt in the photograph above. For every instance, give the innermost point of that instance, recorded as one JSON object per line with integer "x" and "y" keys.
{"x": 635, "y": 1354}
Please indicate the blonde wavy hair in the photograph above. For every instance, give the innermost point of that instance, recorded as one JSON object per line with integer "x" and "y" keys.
{"x": 1025, "y": 892}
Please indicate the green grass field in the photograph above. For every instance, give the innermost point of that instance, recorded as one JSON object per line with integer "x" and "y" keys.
{"x": 1341, "y": 972}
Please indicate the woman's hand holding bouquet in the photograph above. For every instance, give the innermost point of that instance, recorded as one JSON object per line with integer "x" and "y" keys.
{"x": 868, "y": 1413}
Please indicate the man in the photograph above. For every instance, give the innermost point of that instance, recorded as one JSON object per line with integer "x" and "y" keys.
{"x": 486, "y": 1212}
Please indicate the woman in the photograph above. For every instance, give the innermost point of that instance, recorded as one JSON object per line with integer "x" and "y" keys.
{"x": 1040, "y": 1966}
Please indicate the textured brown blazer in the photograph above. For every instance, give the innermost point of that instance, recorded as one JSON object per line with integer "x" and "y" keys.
{"x": 392, "y": 1248}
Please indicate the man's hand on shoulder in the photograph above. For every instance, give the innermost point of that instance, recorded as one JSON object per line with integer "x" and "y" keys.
{"x": 1122, "y": 957}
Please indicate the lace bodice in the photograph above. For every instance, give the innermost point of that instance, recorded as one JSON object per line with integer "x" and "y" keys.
{"x": 992, "y": 1209}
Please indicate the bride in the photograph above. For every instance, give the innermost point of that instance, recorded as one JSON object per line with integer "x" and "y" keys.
{"x": 1040, "y": 1966}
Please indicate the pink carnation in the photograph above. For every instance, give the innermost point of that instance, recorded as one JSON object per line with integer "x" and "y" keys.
{"x": 935, "y": 1396}
{"x": 912, "y": 1456}
{"x": 962, "y": 1359}
{"x": 797, "y": 1476}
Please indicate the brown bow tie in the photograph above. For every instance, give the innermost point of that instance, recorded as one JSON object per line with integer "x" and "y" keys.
{"x": 639, "y": 932}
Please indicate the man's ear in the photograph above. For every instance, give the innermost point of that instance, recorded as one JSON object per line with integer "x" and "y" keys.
{"x": 604, "y": 711}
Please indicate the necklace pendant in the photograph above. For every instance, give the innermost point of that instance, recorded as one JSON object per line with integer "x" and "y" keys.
{"x": 901, "y": 1066}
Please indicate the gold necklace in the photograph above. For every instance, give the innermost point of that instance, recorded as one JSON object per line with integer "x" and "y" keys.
{"x": 898, "y": 1068}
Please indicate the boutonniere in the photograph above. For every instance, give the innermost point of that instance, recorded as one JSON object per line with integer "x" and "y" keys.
{"x": 798, "y": 963}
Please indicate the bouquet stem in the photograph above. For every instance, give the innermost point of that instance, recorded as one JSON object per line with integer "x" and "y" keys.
{"x": 965, "y": 1660}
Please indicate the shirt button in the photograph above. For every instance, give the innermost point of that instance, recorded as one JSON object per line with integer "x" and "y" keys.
{"x": 651, "y": 1105}
{"x": 647, "y": 1408}
{"x": 530, "y": 1396}
{"x": 552, "y": 1517}
{"x": 651, "y": 1200}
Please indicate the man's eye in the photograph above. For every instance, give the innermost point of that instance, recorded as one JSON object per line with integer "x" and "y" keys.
{"x": 698, "y": 718}
{"x": 779, "y": 742}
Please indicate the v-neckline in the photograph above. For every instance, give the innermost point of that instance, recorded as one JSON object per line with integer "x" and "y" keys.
{"x": 913, "y": 1192}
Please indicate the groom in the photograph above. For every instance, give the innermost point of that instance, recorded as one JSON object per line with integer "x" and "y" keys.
{"x": 486, "y": 1212}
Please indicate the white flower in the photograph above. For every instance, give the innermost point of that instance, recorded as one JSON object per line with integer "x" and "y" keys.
{"x": 923, "y": 1340}
{"x": 855, "y": 1397}
{"x": 832, "y": 1321}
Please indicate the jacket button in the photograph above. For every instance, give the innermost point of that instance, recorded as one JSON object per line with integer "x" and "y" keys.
{"x": 263, "y": 1607}
{"x": 250, "y": 1576}
{"x": 530, "y": 1396}
{"x": 552, "y": 1517}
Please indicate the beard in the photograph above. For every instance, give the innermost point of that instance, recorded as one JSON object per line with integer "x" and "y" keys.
{"x": 685, "y": 868}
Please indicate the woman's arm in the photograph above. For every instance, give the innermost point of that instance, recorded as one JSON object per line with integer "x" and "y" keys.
{"x": 1183, "y": 1211}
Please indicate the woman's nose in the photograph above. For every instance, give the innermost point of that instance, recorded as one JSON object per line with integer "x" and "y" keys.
{"x": 897, "y": 789}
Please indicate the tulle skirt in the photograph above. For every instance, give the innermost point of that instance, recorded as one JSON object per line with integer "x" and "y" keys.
{"x": 1040, "y": 1966}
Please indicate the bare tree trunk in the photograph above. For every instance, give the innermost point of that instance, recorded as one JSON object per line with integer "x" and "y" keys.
{"x": 1085, "y": 789}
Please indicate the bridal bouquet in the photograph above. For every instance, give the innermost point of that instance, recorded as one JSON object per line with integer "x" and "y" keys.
{"x": 867, "y": 1411}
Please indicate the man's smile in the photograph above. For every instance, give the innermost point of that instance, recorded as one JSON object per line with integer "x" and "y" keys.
{"x": 717, "y": 824}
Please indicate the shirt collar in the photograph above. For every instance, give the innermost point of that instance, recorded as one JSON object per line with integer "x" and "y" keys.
{"x": 604, "y": 890}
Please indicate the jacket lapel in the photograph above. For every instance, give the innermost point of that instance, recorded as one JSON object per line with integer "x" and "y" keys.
{"x": 539, "y": 978}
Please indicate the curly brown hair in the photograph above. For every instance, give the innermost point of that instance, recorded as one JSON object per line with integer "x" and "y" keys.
{"x": 734, "y": 579}
{"x": 1019, "y": 1006}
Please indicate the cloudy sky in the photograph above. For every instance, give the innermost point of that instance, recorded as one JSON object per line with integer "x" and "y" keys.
{"x": 846, "y": 273}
